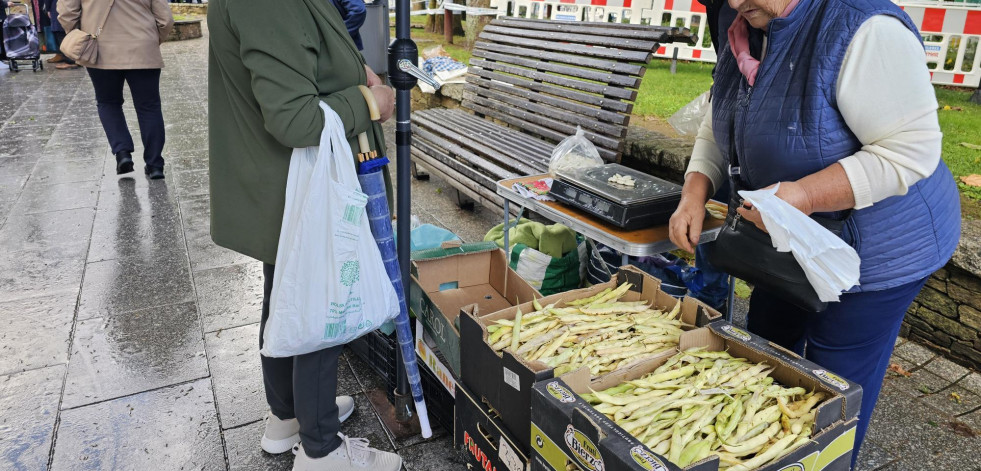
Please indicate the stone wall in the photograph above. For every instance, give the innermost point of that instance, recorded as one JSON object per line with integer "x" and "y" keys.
{"x": 189, "y": 9}
{"x": 185, "y": 29}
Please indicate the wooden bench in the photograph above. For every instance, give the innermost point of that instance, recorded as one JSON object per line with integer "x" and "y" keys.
{"x": 530, "y": 83}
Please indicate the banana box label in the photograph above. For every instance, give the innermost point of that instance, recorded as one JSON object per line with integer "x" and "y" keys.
{"x": 832, "y": 379}
{"x": 646, "y": 459}
{"x": 562, "y": 394}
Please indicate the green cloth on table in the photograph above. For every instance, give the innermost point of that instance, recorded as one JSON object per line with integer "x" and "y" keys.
{"x": 555, "y": 240}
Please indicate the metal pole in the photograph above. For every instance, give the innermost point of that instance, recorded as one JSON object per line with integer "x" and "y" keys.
{"x": 402, "y": 48}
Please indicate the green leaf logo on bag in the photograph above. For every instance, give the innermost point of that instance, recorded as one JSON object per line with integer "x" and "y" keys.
{"x": 646, "y": 460}
{"x": 350, "y": 273}
{"x": 583, "y": 449}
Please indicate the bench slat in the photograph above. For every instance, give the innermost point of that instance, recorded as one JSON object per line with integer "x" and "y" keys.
{"x": 611, "y": 104}
{"x": 508, "y": 139}
{"x": 644, "y": 46}
{"x": 485, "y": 196}
{"x": 590, "y": 51}
{"x": 597, "y": 88}
{"x": 578, "y": 108}
{"x": 506, "y": 102}
{"x": 474, "y": 166}
{"x": 601, "y": 64}
{"x": 658, "y": 33}
{"x": 449, "y": 135}
{"x": 588, "y": 74}
{"x": 608, "y": 148}
{"x": 503, "y": 138}
{"x": 444, "y": 157}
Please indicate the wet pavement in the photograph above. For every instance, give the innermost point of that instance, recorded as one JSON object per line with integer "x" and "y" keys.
{"x": 128, "y": 340}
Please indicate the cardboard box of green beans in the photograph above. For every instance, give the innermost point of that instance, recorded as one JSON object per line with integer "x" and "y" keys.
{"x": 584, "y": 334}
{"x": 727, "y": 400}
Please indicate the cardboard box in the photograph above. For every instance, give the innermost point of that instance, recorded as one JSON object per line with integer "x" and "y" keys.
{"x": 486, "y": 444}
{"x": 566, "y": 429}
{"x": 446, "y": 279}
{"x": 429, "y": 356}
{"x": 505, "y": 381}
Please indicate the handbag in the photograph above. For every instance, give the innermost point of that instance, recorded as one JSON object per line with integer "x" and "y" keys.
{"x": 746, "y": 252}
{"x": 84, "y": 47}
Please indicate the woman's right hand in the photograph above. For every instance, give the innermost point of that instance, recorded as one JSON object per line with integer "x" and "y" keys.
{"x": 385, "y": 99}
{"x": 685, "y": 226}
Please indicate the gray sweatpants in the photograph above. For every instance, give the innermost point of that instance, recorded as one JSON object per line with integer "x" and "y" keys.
{"x": 304, "y": 387}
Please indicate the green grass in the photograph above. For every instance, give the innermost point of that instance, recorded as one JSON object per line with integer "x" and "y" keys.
{"x": 958, "y": 127}
{"x": 662, "y": 94}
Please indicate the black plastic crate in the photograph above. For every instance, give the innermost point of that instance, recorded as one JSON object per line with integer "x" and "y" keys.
{"x": 378, "y": 351}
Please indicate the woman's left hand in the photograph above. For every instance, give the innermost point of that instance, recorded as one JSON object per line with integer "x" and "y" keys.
{"x": 791, "y": 192}
{"x": 373, "y": 78}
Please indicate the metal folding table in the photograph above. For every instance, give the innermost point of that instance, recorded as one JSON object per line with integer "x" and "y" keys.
{"x": 637, "y": 243}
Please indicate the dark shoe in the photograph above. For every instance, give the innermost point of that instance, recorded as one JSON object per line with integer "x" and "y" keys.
{"x": 57, "y": 59}
{"x": 124, "y": 163}
{"x": 154, "y": 173}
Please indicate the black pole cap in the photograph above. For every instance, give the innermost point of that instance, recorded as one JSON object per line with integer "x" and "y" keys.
{"x": 402, "y": 48}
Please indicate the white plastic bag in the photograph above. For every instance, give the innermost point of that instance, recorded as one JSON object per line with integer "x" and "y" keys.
{"x": 574, "y": 152}
{"x": 330, "y": 284}
{"x": 831, "y": 265}
{"x": 689, "y": 118}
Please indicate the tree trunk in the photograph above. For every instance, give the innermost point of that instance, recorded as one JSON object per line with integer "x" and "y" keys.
{"x": 976, "y": 97}
{"x": 434, "y": 23}
{"x": 476, "y": 23}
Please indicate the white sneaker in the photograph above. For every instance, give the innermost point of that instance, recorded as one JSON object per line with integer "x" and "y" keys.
{"x": 353, "y": 454}
{"x": 281, "y": 435}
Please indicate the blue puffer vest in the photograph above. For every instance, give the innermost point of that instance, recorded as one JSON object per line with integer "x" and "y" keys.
{"x": 788, "y": 126}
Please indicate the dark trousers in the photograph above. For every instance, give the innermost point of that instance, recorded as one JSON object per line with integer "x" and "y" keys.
{"x": 144, "y": 84}
{"x": 59, "y": 36}
{"x": 304, "y": 387}
{"x": 853, "y": 338}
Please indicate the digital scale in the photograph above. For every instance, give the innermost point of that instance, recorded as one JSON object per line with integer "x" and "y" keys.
{"x": 650, "y": 202}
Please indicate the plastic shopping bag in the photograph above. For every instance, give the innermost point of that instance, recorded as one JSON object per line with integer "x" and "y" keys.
{"x": 831, "y": 265}
{"x": 330, "y": 284}
{"x": 574, "y": 152}
{"x": 688, "y": 119}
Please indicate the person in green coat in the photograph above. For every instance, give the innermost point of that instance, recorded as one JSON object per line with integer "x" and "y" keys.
{"x": 270, "y": 66}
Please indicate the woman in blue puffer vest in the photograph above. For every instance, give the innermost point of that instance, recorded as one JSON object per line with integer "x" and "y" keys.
{"x": 832, "y": 99}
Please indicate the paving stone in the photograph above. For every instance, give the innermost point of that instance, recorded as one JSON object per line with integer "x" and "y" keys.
{"x": 39, "y": 231}
{"x": 946, "y": 369}
{"x": 954, "y": 400}
{"x": 203, "y": 252}
{"x": 36, "y": 273}
{"x": 434, "y": 455}
{"x": 134, "y": 352}
{"x": 144, "y": 223}
{"x": 171, "y": 428}
{"x": 229, "y": 296}
{"x": 28, "y": 411}
{"x": 366, "y": 376}
{"x": 244, "y": 453}
{"x": 132, "y": 283}
{"x": 872, "y": 457}
{"x": 58, "y": 196}
{"x": 921, "y": 382}
{"x": 921, "y": 435}
{"x": 188, "y": 160}
{"x": 364, "y": 423}
{"x": 914, "y": 352}
{"x": 14, "y": 144}
{"x": 971, "y": 382}
{"x": 36, "y": 331}
{"x": 68, "y": 171}
{"x": 233, "y": 356}
{"x": 191, "y": 183}
{"x": 11, "y": 186}
{"x": 16, "y": 165}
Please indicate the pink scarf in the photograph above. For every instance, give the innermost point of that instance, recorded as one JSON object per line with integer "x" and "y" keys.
{"x": 739, "y": 43}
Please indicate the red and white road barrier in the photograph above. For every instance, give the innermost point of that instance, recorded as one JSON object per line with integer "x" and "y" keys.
{"x": 951, "y": 32}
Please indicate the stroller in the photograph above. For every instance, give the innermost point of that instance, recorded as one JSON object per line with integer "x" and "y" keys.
{"x": 20, "y": 35}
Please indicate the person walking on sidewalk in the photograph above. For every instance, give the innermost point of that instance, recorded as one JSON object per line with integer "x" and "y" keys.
{"x": 129, "y": 51}
{"x": 58, "y": 31}
{"x": 268, "y": 71}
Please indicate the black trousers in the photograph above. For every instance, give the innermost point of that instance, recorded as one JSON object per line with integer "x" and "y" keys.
{"x": 304, "y": 387}
{"x": 144, "y": 84}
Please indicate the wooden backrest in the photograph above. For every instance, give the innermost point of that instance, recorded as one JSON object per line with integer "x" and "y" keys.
{"x": 546, "y": 77}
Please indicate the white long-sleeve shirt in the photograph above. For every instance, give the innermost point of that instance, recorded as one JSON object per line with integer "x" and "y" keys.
{"x": 886, "y": 98}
